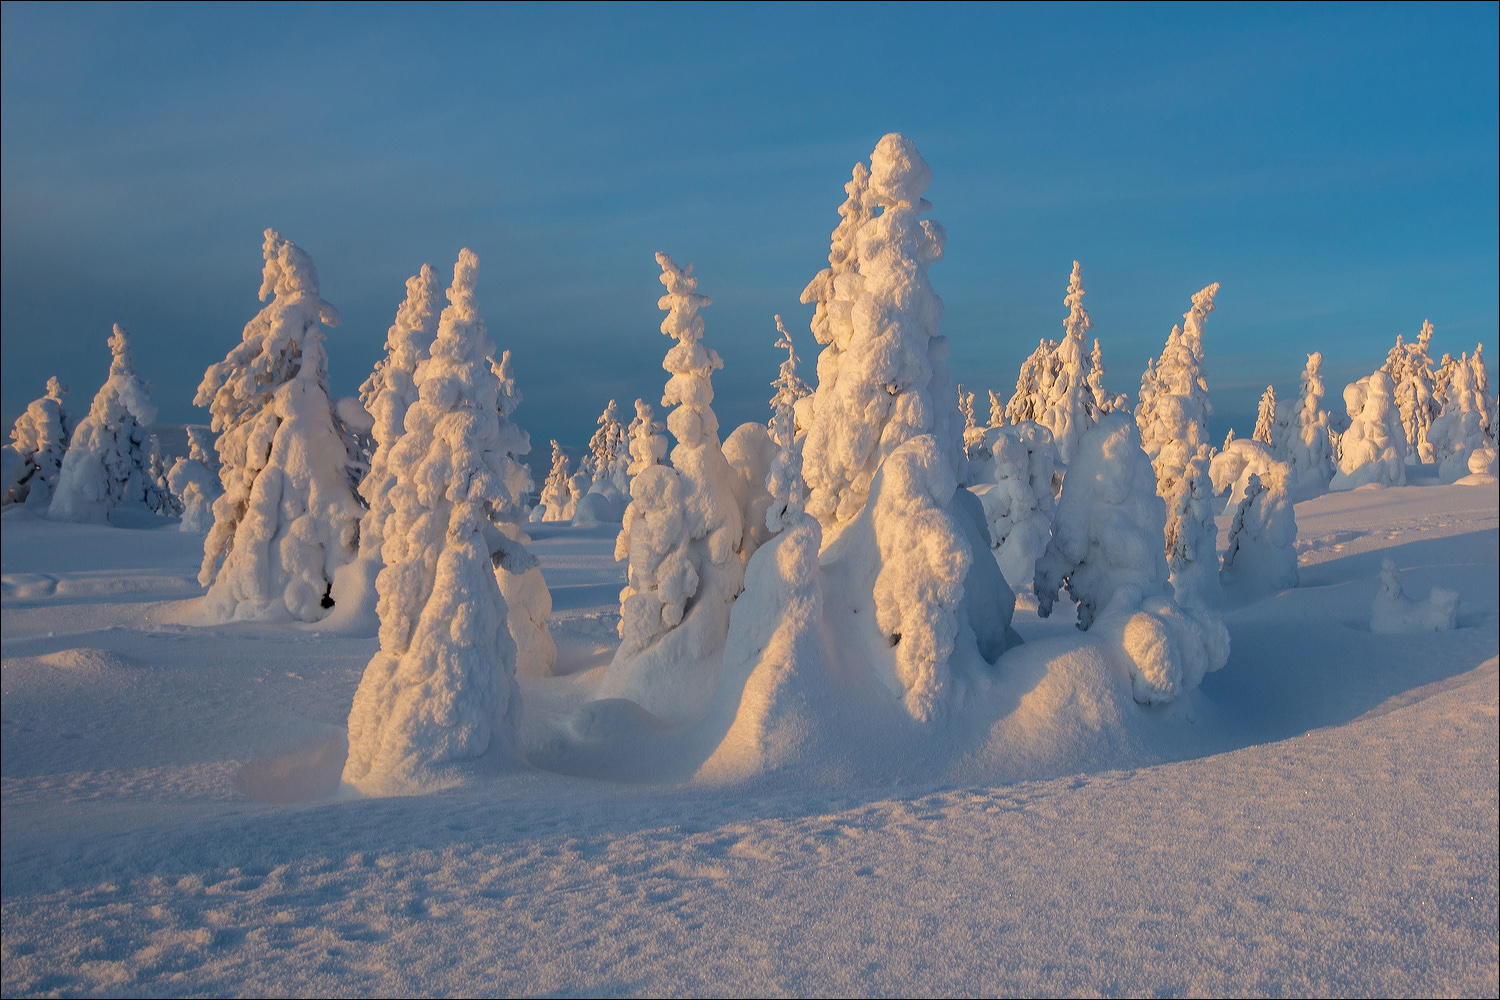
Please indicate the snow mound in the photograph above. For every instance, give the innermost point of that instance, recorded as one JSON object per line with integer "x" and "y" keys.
{"x": 1395, "y": 612}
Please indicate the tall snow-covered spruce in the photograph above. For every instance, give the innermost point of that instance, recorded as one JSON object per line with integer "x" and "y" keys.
{"x": 34, "y": 456}
{"x": 289, "y": 517}
{"x": 1066, "y": 405}
{"x": 1174, "y": 407}
{"x": 681, "y": 534}
{"x": 108, "y": 461}
{"x": 442, "y": 687}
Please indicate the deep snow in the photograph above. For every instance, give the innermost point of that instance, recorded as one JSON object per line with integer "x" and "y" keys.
{"x": 1319, "y": 816}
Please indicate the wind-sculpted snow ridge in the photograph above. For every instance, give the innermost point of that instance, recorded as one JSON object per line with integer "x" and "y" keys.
{"x": 1373, "y": 449}
{"x": 1106, "y": 548}
{"x": 1174, "y": 406}
{"x": 34, "y": 456}
{"x": 289, "y": 516}
{"x": 108, "y": 461}
{"x": 883, "y": 378}
{"x": 681, "y": 535}
{"x": 442, "y": 687}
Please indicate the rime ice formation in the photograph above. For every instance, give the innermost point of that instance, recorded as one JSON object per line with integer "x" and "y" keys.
{"x": 1265, "y": 418}
{"x": 194, "y": 481}
{"x": 648, "y": 445}
{"x": 1241, "y": 458}
{"x": 784, "y": 482}
{"x": 1067, "y": 405}
{"x": 108, "y": 461}
{"x": 1192, "y": 537}
{"x": 1460, "y": 429}
{"x": 1394, "y": 612}
{"x": 603, "y": 500}
{"x": 1106, "y": 548}
{"x": 1306, "y": 446}
{"x": 1262, "y": 553}
{"x": 1025, "y": 403}
{"x": 289, "y": 517}
{"x": 34, "y": 456}
{"x": 882, "y": 379}
{"x": 389, "y": 392}
{"x": 1410, "y": 369}
{"x": 442, "y": 686}
{"x": 997, "y": 410}
{"x": 1174, "y": 407}
{"x": 557, "y": 498}
{"x": 1373, "y": 449}
{"x": 1015, "y": 491}
{"x": 681, "y": 535}
{"x": 973, "y": 434}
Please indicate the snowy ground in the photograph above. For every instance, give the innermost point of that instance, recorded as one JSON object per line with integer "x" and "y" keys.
{"x": 1320, "y": 817}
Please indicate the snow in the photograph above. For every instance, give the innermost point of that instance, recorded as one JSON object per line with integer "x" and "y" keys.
{"x": 1395, "y": 612}
{"x": 1324, "y": 824}
{"x": 1373, "y": 449}
{"x": 34, "y": 456}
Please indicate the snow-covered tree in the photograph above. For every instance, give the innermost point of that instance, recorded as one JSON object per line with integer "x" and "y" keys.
{"x": 195, "y": 483}
{"x": 1262, "y": 553}
{"x": 1030, "y": 396}
{"x": 1192, "y": 537}
{"x": 681, "y": 534}
{"x": 389, "y": 392}
{"x": 1174, "y": 411}
{"x": 442, "y": 687}
{"x": 1106, "y": 548}
{"x": 784, "y": 483}
{"x": 1265, "y": 419}
{"x": 1459, "y": 430}
{"x": 557, "y": 495}
{"x": 1486, "y": 398}
{"x": 648, "y": 445}
{"x": 1015, "y": 490}
{"x": 997, "y": 410}
{"x": 1373, "y": 449}
{"x": 38, "y": 442}
{"x": 608, "y": 442}
{"x": 973, "y": 433}
{"x": 1410, "y": 369}
{"x": 289, "y": 516}
{"x": 1069, "y": 408}
{"x": 108, "y": 461}
{"x": 883, "y": 378}
{"x": 1103, "y": 401}
{"x": 1306, "y": 444}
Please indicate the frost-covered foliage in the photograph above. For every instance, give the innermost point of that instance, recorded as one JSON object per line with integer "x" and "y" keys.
{"x": 1026, "y": 402}
{"x": 1016, "y": 494}
{"x": 1265, "y": 418}
{"x": 194, "y": 481}
{"x": 648, "y": 445}
{"x": 1192, "y": 537}
{"x": 1486, "y": 397}
{"x": 1459, "y": 430}
{"x": 1410, "y": 369}
{"x": 557, "y": 498}
{"x": 1394, "y": 612}
{"x": 608, "y": 443}
{"x": 1373, "y": 449}
{"x": 1262, "y": 553}
{"x": 681, "y": 534}
{"x": 161, "y": 498}
{"x": 1106, "y": 548}
{"x": 108, "y": 461}
{"x": 997, "y": 410}
{"x": 442, "y": 686}
{"x": 38, "y": 442}
{"x": 883, "y": 378}
{"x": 289, "y": 516}
{"x": 1174, "y": 406}
{"x": 1067, "y": 405}
{"x": 389, "y": 392}
{"x": 1103, "y": 401}
{"x": 1306, "y": 446}
{"x": 784, "y": 482}
{"x": 973, "y": 433}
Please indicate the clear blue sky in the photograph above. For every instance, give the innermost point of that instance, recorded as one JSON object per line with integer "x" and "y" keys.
{"x": 1334, "y": 167}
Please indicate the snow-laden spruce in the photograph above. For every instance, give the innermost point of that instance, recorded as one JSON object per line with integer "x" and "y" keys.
{"x": 1262, "y": 553}
{"x": 1373, "y": 449}
{"x": 108, "y": 461}
{"x": 1394, "y": 612}
{"x": 1067, "y": 405}
{"x": 1460, "y": 429}
{"x": 883, "y": 378}
{"x": 1305, "y": 446}
{"x": 194, "y": 481}
{"x": 442, "y": 687}
{"x": 1174, "y": 407}
{"x": 1106, "y": 548}
{"x": 1265, "y": 419}
{"x": 556, "y": 502}
{"x": 784, "y": 481}
{"x": 1192, "y": 536}
{"x": 289, "y": 516}
{"x": 1231, "y": 468}
{"x": 389, "y": 392}
{"x": 1014, "y": 483}
{"x": 34, "y": 456}
{"x": 681, "y": 534}
{"x": 648, "y": 443}
{"x": 606, "y": 494}
{"x": 1410, "y": 369}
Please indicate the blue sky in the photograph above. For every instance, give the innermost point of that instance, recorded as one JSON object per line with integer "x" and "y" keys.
{"x": 1335, "y": 168}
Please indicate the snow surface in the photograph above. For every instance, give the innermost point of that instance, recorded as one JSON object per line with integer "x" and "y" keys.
{"x": 1320, "y": 816}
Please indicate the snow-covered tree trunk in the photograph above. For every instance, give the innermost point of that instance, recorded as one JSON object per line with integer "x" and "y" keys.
{"x": 289, "y": 517}
{"x": 108, "y": 461}
{"x": 38, "y": 442}
{"x": 442, "y": 687}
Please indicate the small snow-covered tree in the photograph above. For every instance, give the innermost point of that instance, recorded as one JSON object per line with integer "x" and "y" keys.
{"x": 1027, "y": 401}
{"x": 1394, "y": 612}
{"x": 108, "y": 461}
{"x": 289, "y": 516}
{"x": 1485, "y": 398}
{"x": 1103, "y": 401}
{"x": 883, "y": 379}
{"x": 997, "y": 409}
{"x": 1459, "y": 429}
{"x": 785, "y": 483}
{"x": 1265, "y": 418}
{"x": 648, "y": 445}
{"x": 1174, "y": 411}
{"x": 557, "y": 496}
{"x": 681, "y": 533}
{"x": 194, "y": 481}
{"x": 1106, "y": 549}
{"x": 442, "y": 687}
{"x": 38, "y": 442}
{"x": 1410, "y": 368}
{"x": 1016, "y": 494}
{"x": 1306, "y": 445}
{"x": 973, "y": 433}
{"x": 1373, "y": 449}
{"x": 1262, "y": 553}
{"x": 389, "y": 392}
{"x": 1069, "y": 406}
{"x": 608, "y": 442}
{"x": 1192, "y": 536}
